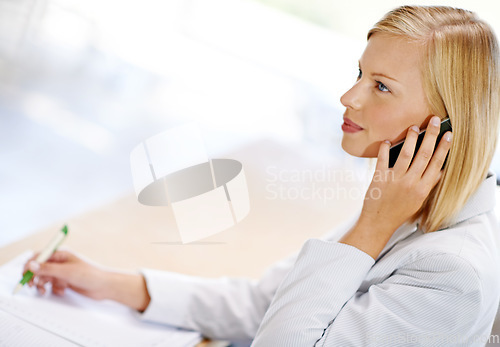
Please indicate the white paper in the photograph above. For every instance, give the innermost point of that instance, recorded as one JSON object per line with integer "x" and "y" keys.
{"x": 17, "y": 332}
{"x": 77, "y": 319}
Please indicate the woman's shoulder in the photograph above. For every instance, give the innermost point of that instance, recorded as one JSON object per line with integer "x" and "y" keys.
{"x": 473, "y": 244}
{"x": 473, "y": 234}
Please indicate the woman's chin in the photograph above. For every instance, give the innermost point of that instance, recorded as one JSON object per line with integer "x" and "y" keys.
{"x": 357, "y": 151}
{"x": 352, "y": 152}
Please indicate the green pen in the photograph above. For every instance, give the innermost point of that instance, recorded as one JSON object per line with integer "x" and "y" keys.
{"x": 44, "y": 255}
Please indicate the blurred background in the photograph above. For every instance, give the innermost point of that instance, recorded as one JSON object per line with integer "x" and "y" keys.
{"x": 83, "y": 82}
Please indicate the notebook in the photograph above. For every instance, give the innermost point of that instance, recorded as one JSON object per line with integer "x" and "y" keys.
{"x": 30, "y": 319}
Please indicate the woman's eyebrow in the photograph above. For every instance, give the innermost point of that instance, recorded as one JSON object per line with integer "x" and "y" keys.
{"x": 384, "y": 75}
{"x": 373, "y": 74}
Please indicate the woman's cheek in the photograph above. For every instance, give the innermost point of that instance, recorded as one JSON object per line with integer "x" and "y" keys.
{"x": 381, "y": 130}
{"x": 388, "y": 125}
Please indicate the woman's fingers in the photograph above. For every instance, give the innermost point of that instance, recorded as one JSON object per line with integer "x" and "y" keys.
{"x": 401, "y": 194}
{"x": 29, "y": 260}
{"x": 406, "y": 155}
{"x": 433, "y": 172}
{"x": 40, "y": 284}
{"x": 383, "y": 156}
{"x": 59, "y": 286}
{"x": 58, "y": 291}
{"x": 61, "y": 256}
{"x": 26, "y": 268}
{"x": 426, "y": 150}
{"x": 44, "y": 269}
{"x": 32, "y": 266}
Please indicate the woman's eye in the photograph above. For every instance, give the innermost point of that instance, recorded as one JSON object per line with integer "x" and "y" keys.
{"x": 359, "y": 74}
{"x": 382, "y": 87}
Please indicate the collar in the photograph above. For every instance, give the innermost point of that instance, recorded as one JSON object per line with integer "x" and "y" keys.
{"x": 481, "y": 201}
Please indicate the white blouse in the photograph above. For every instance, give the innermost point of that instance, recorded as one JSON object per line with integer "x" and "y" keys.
{"x": 435, "y": 289}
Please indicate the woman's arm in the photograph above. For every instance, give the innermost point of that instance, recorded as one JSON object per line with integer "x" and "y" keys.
{"x": 222, "y": 308}
{"x": 433, "y": 301}
{"x": 394, "y": 195}
{"x": 427, "y": 302}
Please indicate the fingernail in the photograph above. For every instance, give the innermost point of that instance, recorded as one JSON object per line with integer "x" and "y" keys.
{"x": 415, "y": 128}
{"x": 435, "y": 121}
{"x": 448, "y": 137}
{"x": 388, "y": 142}
{"x": 33, "y": 266}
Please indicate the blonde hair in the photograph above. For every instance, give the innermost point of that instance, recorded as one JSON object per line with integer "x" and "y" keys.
{"x": 460, "y": 71}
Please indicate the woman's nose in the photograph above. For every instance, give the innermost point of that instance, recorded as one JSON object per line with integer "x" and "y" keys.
{"x": 352, "y": 98}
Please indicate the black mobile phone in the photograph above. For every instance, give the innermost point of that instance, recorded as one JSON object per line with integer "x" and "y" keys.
{"x": 394, "y": 151}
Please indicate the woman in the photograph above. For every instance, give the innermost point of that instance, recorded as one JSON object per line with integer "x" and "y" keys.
{"x": 419, "y": 265}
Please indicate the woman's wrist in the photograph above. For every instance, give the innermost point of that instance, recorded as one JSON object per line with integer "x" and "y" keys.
{"x": 128, "y": 289}
{"x": 368, "y": 237}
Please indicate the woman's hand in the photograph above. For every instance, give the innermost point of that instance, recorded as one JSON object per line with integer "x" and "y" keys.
{"x": 65, "y": 270}
{"x": 395, "y": 194}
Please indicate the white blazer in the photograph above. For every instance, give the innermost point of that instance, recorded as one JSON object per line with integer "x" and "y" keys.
{"x": 435, "y": 289}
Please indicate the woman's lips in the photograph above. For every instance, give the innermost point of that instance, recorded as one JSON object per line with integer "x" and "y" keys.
{"x": 350, "y": 127}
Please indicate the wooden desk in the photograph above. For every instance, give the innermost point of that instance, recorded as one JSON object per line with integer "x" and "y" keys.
{"x": 127, "y": 235}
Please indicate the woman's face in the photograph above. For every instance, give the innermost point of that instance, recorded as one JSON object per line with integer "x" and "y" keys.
{"x": 387, "y": 98}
